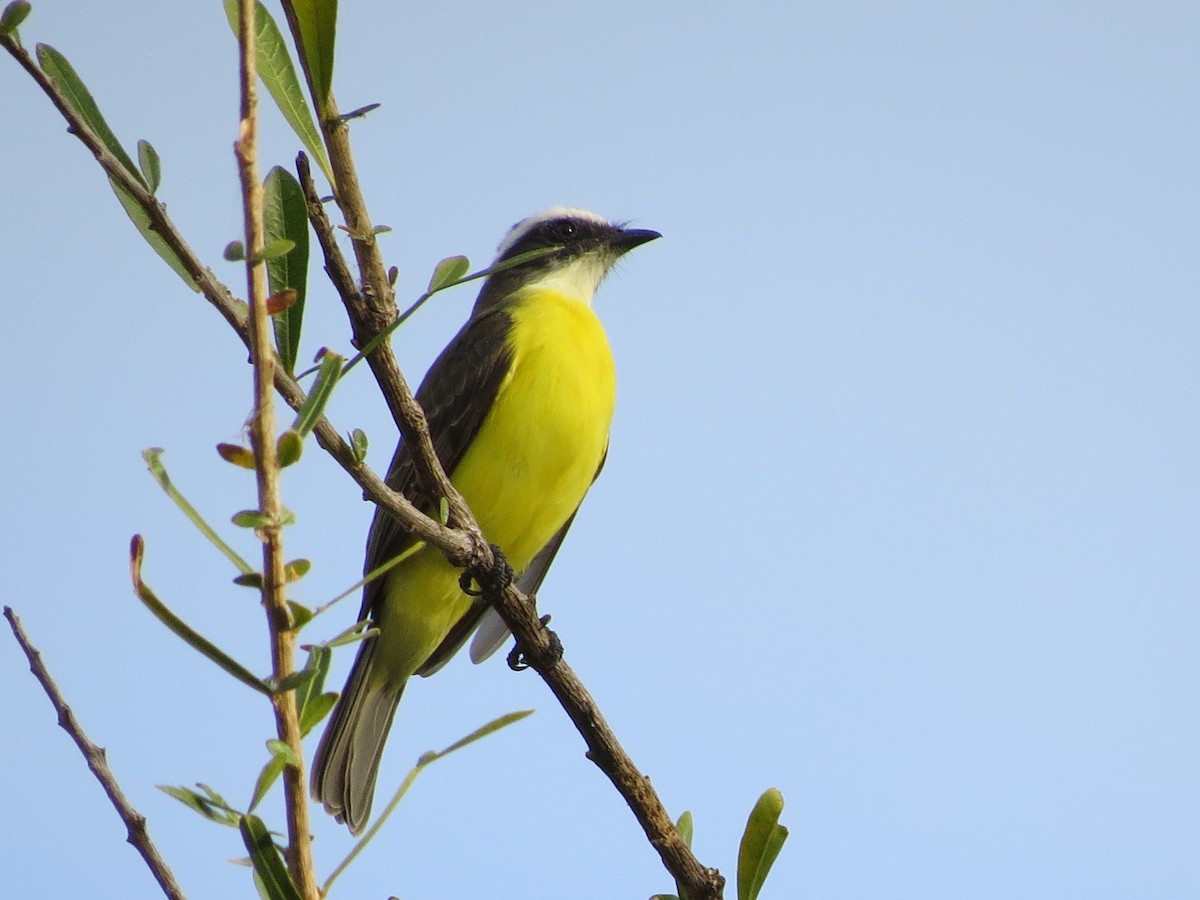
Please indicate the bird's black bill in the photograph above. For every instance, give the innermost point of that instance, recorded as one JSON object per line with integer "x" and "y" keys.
{"x": 628, "y": 238}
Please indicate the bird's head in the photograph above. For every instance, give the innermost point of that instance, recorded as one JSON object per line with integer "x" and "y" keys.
{"x": 579, "y": 248}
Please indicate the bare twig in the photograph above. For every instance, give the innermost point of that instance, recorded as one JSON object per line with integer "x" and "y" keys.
{"x": 97, "y": 760}
{"x": 262, "y": 441}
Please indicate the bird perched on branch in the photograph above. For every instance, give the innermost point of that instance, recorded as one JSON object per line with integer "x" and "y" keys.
{"x": 519, "y": 406}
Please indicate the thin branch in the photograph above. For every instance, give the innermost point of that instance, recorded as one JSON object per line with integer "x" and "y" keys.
{"x": 463, "y": 544}
{"x": 235, "y": 312}
{"x": 374, "y": 313}
{"x": 539, "y": 648}
{"x": 97, "y": 760}
{"x": 262, "y": 440}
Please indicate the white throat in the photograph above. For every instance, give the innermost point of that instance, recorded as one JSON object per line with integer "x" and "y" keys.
{"x": 578, "y": 279}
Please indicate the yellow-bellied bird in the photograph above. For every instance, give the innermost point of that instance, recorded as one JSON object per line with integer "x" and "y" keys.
{"x": 519, "y": 406}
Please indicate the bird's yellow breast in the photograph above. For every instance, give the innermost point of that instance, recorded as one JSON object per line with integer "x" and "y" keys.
{"x": 525, "y": 473}
{"x": 538, "y": 450}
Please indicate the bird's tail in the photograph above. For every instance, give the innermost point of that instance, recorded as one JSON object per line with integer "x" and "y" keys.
{"x": 347, "y": 760}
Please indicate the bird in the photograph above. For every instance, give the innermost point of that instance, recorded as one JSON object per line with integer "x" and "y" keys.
{"x": 519, "y": 405}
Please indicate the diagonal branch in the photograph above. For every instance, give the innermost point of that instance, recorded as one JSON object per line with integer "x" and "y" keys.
{"x": 135, "y": 823}
{"x": 235, "y": 313}
{"x": 463, "y": 544}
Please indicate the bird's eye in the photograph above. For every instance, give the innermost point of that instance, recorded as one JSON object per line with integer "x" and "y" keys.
{"x": 564, "y": 230}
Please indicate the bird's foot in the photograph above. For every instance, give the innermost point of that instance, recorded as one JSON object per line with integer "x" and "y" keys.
{"x": 491, "y": 581}
{"x": 518, "y": 661}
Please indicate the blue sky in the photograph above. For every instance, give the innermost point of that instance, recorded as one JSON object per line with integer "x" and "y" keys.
{"x": 900, "y": 512}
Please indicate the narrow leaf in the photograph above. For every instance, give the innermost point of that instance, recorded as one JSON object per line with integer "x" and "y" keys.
{"x": 153, "y": 458}
{"x": 447, "y": 272}
{"x": 267, "y": 777}
{"x": 141, "y": 221}
{"x": 203, "y": 805}
{"x": 150, "y": 165}
{"x": 317, "y": 666}
{"x": 189, "y": 635}
{"x": 317, "y": 21}
{"x": 490, "y": 728}
{"x": 80, "y": 99}
{"x": 14, "y": 14}
{"x": 240, "y": 456}
{"x": 250, "y": 580}
{"x": 264, "y": 857}
{"x": 358, "y": 444}
{"x": 761, "y": 843}
{"x": 279, "y": 78}
{"x": 425, "y": 760}
{"x": 314, "y": 405}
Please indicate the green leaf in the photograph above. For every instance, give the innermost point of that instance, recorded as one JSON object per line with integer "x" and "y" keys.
{"x": 447, "y": 272}
{"x": 141, "y": 221}
{"x": 296, "y": 569}
{"x": 250, "y": 518}
{"x": 250, "y": 580}
{"x": 358, "y": 445}
{"x": 315, "y": 711}
{"x": 277, "y": 248}
{"x": 81, "y": 102}
{"x": 424, "y": 760}
{"x": 314, "y": 405}
{"x": 153, "y": 458}
{"x": 317, "y": 663}
{"x": 264, "y": 857}
{"x": 267, "y": 777}
{"x": 294, "y": 682}
{"x": 235, "y": 251}
{"x": 684, "y": 827}
{"x": 14, "y": 14}
{"x": 761, "y": 843}
{"x": 288, "y": 448}
{"x": 283, "y": 750}
{"x": 240, "y": 456}
{"x": 301, "y": 615}
{"x": 317, "y": 22}
{"x": 188, "y": 634}
{"x": 151, "y": 166}
{"x": 279, "y": 78}
{"x": 491, "y": 727}
{"x": 212, "y": 810}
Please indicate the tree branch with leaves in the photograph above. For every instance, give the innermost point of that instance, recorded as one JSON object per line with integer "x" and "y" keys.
{"x": 278, "y": 212}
